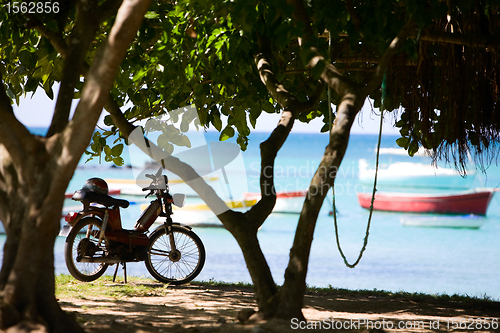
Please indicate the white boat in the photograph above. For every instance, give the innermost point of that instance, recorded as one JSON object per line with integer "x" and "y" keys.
{"x": 134, "y": 187}
{"x": 286, "y": 202}
{"x": 200, "y": 214}
{"x": 463, "y": 221}
{"x": 416, "y": 175}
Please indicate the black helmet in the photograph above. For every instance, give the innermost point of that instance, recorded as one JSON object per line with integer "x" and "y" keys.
{"x": 96, "y": 185}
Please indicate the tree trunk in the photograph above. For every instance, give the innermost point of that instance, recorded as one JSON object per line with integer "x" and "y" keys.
{"x": 245, "y": 233}
{"x": 292, "y": 293}
{"x": 27, "y": 275}
{"x": 34, "y": 174}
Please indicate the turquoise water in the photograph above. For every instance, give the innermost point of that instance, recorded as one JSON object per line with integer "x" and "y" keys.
{"x": 428, "y": 260}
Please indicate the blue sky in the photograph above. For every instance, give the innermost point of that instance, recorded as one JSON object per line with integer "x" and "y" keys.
{"x": 37, "y": 111}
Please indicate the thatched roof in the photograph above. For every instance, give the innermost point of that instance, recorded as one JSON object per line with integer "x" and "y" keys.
{"x": 446, "y": 86}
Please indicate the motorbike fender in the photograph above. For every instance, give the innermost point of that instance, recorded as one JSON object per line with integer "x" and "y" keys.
{"x": 185, "y": 226}
{"x": 66, "y": 229}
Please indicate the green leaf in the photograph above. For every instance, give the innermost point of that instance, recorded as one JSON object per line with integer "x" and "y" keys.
{"x": 325, "y": 128}
{"x": 227, "y": 133}
{"x": 107, "y": 151}
{"x": 10, "y": 94}
{"x": 217, "y": 122}
{"x": 268, "y": 107}
{"x": 117, "y": 150}
{"x": 413, "y": 148}
{"x": 151, "y": 15}
{"x": 181, "y": 140}
{"x": 163, "y": 141}
{"x": 108, "y": 121}
{"x": 118, "y": 161}
{"x": 403, "y": 142}
{"x": 168, "y": 148}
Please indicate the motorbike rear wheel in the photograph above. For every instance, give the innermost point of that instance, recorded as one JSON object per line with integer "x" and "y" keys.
{"x": 82, "y": 242}
{"x": 175, "y": 267}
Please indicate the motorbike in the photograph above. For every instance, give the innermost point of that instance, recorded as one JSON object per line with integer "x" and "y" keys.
{"x": 95, "y": 239}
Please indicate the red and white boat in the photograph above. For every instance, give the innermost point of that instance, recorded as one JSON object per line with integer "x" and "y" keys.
{"x": 474, "y": 201}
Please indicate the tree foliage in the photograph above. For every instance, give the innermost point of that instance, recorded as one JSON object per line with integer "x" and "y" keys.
{"x": 202, "y": 52}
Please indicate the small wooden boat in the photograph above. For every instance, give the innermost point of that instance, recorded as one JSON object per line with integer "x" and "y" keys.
{"x": 286, "y": 202}
{"x": 462, "y": 221}
{"x": 200, "y": 215}
{"x": 474, "y": 201}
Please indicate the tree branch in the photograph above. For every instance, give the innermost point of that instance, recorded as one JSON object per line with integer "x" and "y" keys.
{"x": 80, "y": 39}
{"x": 83, "y": 33}
{"x": 118, "y": 118}
{"x": 13, "y": 135}
{"x": 275, "y": 89}
{"x": 55, "y": 38}
{"x": 100, "y": 78}
{"x": 269, "y": 148}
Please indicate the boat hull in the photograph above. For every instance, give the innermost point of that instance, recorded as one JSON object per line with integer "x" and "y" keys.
{"x": 286, "y": 202}
{"x": 467, "y": 221}
{"x": 468, "y": 202}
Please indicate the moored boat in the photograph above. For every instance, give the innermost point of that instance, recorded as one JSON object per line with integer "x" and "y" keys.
{"x": 474, "y": 201}
{"x": 200, "y": 215}
{"x": 462, "y": 221}
{"x": 286, "y": 202}
{"x": 417, "y": 175}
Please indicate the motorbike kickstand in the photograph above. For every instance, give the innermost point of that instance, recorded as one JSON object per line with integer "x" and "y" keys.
{"x": 124, "y": 264}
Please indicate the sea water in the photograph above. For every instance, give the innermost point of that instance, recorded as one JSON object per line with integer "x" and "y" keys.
{"x": 397, "y": 258}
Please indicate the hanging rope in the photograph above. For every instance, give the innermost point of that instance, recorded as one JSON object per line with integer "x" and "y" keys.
{"x": 367, "y": 233}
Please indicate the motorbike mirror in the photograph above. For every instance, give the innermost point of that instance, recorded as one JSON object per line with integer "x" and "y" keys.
{"x": 179, "y": 199}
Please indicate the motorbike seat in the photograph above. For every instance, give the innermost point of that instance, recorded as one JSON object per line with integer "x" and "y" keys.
{"x": 105, "y": 200}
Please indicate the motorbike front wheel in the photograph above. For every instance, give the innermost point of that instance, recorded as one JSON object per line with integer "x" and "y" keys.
{"x": 82, "y": 243}
{"x": 179, "y": 266}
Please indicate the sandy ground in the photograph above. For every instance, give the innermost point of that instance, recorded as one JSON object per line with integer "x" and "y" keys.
{"x": 192, "y": 308}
